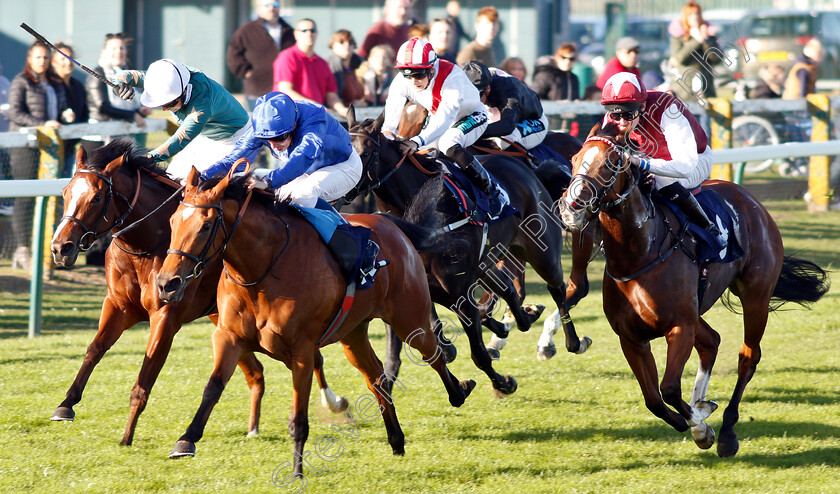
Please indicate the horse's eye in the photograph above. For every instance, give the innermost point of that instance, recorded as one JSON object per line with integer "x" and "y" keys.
{"x": 206, "y": 226}
{"x": 97, "y": 198}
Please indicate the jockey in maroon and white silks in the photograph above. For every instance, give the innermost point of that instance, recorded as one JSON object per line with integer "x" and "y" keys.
{"x": 667, "y": 139}
{"x": 457, "y": 117}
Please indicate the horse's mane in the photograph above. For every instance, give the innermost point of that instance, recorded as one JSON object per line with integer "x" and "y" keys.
{"x": 237, "y": 190}
{"x": 135, "y": 157}
{"x": 611, "y": 132}
{"x": 423, "y": 209}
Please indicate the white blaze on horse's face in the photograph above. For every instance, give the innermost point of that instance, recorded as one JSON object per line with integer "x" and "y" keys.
{"x": 588, "y": 159}
{"x": 580, "y": 195}
{"x": 186, "y": 213}
{"x": 80, "y": 187}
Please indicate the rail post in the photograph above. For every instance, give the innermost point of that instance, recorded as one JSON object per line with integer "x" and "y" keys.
{"x": 818, "y": 170}
{"x": 720, "y": 124}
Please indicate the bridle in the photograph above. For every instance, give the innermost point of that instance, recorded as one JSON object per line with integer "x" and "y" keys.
{"x": 373, "y": 182}
{"x": 92, "y": 234}
{"x": 602, "y": 190}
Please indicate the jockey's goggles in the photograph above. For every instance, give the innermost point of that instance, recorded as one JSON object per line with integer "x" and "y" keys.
{"x": 417, "y": 73}
{"x": 626, "y": 115}
{"x": 281, "y": 137}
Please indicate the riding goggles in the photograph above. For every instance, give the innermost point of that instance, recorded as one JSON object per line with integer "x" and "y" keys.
{"x": 626, "y": 115}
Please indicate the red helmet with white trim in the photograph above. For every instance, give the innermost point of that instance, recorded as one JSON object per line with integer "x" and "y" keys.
{"x": 416, "y": 57}
{"x": 623, "y": 91}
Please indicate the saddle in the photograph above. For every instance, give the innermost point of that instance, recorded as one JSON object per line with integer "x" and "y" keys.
{"x": 719, "y": 211}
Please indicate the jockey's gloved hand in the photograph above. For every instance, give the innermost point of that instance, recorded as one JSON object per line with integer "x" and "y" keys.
{"x": 255, "y": 183}
{"x": 124, "y": 91}
{"x": 408, "y": 146}
{"x": 639, "y": 161}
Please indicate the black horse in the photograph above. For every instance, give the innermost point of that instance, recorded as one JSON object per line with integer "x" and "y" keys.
{"x": 533, "y": 235}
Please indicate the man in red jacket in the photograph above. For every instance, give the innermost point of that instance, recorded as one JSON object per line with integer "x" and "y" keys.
{"x": 255, "y": 45}
{"x": 626, "y": 60}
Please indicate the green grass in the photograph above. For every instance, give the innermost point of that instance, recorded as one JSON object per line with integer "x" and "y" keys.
{"x": 577, "y": 423}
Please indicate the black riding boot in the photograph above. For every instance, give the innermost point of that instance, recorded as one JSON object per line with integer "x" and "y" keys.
{"x": 686, "y": 201}
{"x": 477, "y": 175}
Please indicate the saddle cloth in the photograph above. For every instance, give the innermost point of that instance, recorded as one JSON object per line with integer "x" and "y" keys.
{"x": 720, "y": 213}
{"x": 472, "y": 201}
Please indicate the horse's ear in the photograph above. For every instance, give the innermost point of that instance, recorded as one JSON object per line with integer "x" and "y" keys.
{"x": 377, "y": 124}
{"x": 193, "y": 178}
{"x": 81, "y": 158}
{"x": 351, "y": 116}
{"x": 114, "y": 165}
{"x": 595, "y": 129}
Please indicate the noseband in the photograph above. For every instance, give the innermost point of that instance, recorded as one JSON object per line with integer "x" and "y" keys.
{"x": 91, "y": 235}
{"x": 601, "y": 194}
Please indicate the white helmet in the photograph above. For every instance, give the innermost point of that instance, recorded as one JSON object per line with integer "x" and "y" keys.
{"x": 165, "y": 81}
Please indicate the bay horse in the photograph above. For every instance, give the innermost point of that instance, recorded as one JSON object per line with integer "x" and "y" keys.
{"x": 555, "y": 178}
{"x": 652, "y": 289}
{"x": 117, "y": 189}
{"x": 281, "y": 289}
{"x": 534, "y": 235}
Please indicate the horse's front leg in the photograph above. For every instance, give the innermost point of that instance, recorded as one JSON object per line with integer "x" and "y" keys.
{"x": 577, "y": 285}
{"x": 226, "y": 353}
{"x": 641, "y": 361}
{"x": 302, "y": 365}
{"x": 112, "y": 323}
{"x": 681, "y": 339}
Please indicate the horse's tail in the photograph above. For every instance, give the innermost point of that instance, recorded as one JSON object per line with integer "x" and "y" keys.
{"x": 800, "y": 281}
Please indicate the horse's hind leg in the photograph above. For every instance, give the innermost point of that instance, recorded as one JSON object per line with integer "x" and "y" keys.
{"x": 468, "y": 315}
{"x": 226, "y": 354}
{"x": 112, "y": 323}
{"x": 302, "y": 365}
{"x": 253, "y": 371}
{"x": 329, "y": 400}
{"x": 706, "y": 342}
{"x": 359, "y": 353}
{"x": 755, "y": 322}
{"x": 393, "y": 347}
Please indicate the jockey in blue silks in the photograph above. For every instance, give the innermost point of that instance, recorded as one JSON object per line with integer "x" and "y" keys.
{"x": 318, "y": 161}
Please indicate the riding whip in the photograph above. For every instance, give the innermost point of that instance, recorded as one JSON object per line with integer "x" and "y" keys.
{"x": 68, "y": 57}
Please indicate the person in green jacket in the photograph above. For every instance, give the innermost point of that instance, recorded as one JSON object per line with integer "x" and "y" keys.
{"x": 210, "y": 118}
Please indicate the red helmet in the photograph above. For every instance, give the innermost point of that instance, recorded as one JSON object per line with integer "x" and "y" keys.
{"x": 415, "y": 56}
{"x": 623, "y": 91}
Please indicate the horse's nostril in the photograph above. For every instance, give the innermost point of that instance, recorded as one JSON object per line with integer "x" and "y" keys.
{"x": 66, "y": 249}
{"x": 172, "y": 285}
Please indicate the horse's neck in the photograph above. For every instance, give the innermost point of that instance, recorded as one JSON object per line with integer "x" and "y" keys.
{"x": 153, "y": 230}
{"x": 401, "y": 188}
{"x": 629, "y": 234}
{"x": 257, "y": 239}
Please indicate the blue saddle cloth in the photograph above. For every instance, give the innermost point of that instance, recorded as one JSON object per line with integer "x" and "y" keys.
{"x": 708, "y": 248}
{"x": 543, "y": 152}
{"x": 472, "y": 201}
{"x": 351, "y": 245}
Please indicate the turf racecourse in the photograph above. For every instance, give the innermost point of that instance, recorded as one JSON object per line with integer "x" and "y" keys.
{"x": 577, "y": 423}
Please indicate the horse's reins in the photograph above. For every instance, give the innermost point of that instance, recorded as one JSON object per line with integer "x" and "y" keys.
{"x": 91, "y": 235}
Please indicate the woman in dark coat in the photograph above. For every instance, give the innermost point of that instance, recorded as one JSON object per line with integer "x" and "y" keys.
{"x": 36, "y": 98}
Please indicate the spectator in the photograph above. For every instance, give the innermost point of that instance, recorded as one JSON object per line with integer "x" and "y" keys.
{"x": 440, "y": 35}
{"x": 626, "y": 60}
{"x": 418, "y": 31}
{"x": 553, "y": 77}
{"x": 76, "y": 100}
{"x": 802, "y": 78}
{"x": 453, "y": 10}
{"x": 770, "y": 85}
{"x": 254, "y": 47}
{"x": 4, "y": 100}
{"x": 303, "y": 75}
{"x": 344, "y": 63}
{"x": 653, "y": 80}
{"x": 209, "y": 117}
{"x": 103, "y": 104}
{"x": 515, "y": 67}
{"x": 36, "y": 98}
{"x": 391, "y": 30}
{"x": 481, "y": 48}
{"x": 694, "y": 50}
{"x": 379, "y": 74}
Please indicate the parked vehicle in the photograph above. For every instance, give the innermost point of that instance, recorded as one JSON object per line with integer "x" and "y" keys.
{"x": 778, "y": 37}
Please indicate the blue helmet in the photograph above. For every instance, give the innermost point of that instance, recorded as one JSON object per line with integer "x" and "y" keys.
{"x": 275, "y": 114}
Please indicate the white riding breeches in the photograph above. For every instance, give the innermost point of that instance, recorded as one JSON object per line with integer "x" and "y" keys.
{"x": 328, "y": 183}
{"x": 696, "y": 175}
{"x": 201, "y": 153}
{"x": 465, "y": 131}
{"x": 528, "y": 133}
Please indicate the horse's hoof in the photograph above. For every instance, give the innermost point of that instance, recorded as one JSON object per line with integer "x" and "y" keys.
{"x": 467, "y": 385}
{"x": 253, "y": 432}
{"x": 585, "y": 343}
{"x": 507, "y": 388}
{"x": 449, "y": 352}
{"x": 63, "y": 414}
{"x": 183, "y": 448}
{"x": 704, "y": 435}
{"x": 341, "y": 404}
{"x": 494, "y": 353}
{"x": 534, "y": 310}
{"x": 546, "y": 352}
{"x": 458, "y": 399}
{"x": 728, "y": 448}
{"x": 399, "y": 451}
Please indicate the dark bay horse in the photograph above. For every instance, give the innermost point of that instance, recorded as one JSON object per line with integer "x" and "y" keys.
{"x": 281, "y": 290}
{"x": 113, "y": 190}
{"x": 651, "y": 285}
{"x": 555, "y": 178}
{"x": 533, "y": 236}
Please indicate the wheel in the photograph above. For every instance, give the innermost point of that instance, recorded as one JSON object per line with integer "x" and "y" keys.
{"x": 752, "y": 130}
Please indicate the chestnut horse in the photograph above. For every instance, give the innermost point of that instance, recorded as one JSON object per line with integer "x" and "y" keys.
{"x": 117, "y": 189}
{"x": 281, "y": 289}
{"x": 651, "y": 282}
{"x": 534, "y": 235}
